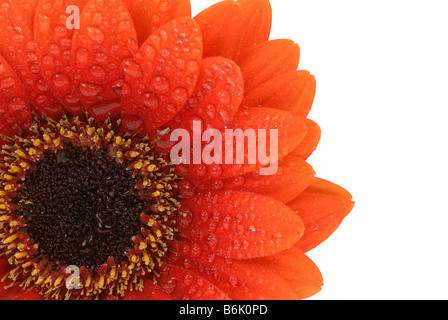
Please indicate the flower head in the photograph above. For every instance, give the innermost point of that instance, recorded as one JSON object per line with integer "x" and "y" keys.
{"x": 92, "y": 202}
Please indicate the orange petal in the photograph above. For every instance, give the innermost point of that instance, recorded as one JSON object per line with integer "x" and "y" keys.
{"x": 54, "y": 44}
{"x": 149, "y": 15}
{"x": 102, "y": 49}
{"x": 256, "y": 23}
{"x": 181, "y": 284}
{"x": 164, "y": 73}
{"x": 14, "y": 105}
{"x": 215, "y": 100}
{"x": 322, "y": 214}
{"x": 291, "y": 91}
{"x": 253, "y": 279}
{"x": 268, "y": 60}
{"x": 290, "y": 129}
{"x": 294, "y": 266}
{"x": 239, "y": 225}
{"x": 294, "y": 175}
{"x": 19, "y": 49}
{"x": 28, "y": 9}
{"x": 310, "y": 142}
{"x": 220, "y": 26}
{"x": 229, "y": 27}
{"x": 319, "y": 185}
{"x": 304, "y": 104}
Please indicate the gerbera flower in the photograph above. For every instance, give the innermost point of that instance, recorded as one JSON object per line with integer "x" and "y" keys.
{"x": 91, "y": 204}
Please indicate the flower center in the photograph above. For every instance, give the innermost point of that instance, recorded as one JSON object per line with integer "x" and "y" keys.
{"x": 81, "y": 207}
{"x": 75, "y": 193}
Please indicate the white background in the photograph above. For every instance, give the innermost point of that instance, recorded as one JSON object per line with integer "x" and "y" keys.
{"x": 382, "y": 101}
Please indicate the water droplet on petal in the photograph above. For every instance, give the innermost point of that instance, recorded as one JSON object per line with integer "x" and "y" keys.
{"x": 17, "y": 105}
{"x": 82, "y": 56}
{"x": 134, "y": 70}
{"x": 160, "y": 84}
{"x": 106, "y": 109}
{"x": 7, "y": 82}
{"x": 60, "y": 81}
{"x": 179, "y": 96}
{"x": 121, "y": 87}
{"x": 150, "y": 100}
{"x": 169, "y": 286}
{"x": 224, "y": 115}
{"x": 98, "y": 72}
{"x": 95, "y": 34}
{"x": 89, "y": 89}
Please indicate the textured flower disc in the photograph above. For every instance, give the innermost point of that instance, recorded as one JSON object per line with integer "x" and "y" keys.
{"x": 79, "y": 193}
{"x": 93, "y": 205}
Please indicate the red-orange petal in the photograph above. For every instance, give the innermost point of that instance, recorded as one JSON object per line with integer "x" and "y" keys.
{"x": 239, "y": 224}
{"x": 19, "y": 49}
{"x": 102, "y": 49}
{"x": 28, "y": 9}
{"x": 181, "y": 284}
{"x": 256, "y": 23}
{"x": 149, "y": 15}
{"x": 310, "y": 142}
{"x": 252, "y": 279}
{"x": 291, "y": 130}
{"x": 150, "y": 291}
{"x": 17, "y": 293}
{"x": 54, "y": 49}
{"x": 164, "y": 73}
{"x": 220, "y": 26}
{"x": 294, "y": 175}
{"x": 268, "y": 60}
{"x": 319, "y": 185}
{"x": 229, "y": 27}
{"x": 4, "y": 269}
{"x": 14, "y": 108}
{"x": 215, "y": 100}
{"x": 291, "y": 91}
{"x": 294, "y": 266}
{"x": 322, "y": 212}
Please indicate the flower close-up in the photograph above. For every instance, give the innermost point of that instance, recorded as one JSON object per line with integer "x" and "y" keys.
{"x": 97, "y": 199}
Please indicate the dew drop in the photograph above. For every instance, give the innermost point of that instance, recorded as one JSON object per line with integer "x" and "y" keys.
{"x": 160, "y": 84}
{"x": 134, "y": 70}
{"x": 17, "y": 105}
{"x": 60, "y": 81}
{"x": 7, "y": 83}
{"x": 224, "y": 115}
{"x": 106, "y": 109}
{"x": 95, "y": 34}
{"x": 89, "y": 89}
{"x": 179, "y": 96}
{"x": 121, "y": 87}
{"x": 82, "y": 56}
{"x": 97, "y": 72}
{"x": 149, "y": 52}
{"x": 150, "y": 100}
{"x": 43, "y": 22}
{"x": 170, "y": 286}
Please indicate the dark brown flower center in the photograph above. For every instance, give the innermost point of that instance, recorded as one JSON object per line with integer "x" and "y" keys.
{"x": 85, "y": 194}
{"x": 81, "y": 207}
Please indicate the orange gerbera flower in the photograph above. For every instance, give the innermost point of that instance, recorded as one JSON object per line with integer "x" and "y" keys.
{"x": 91, "y": 204}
